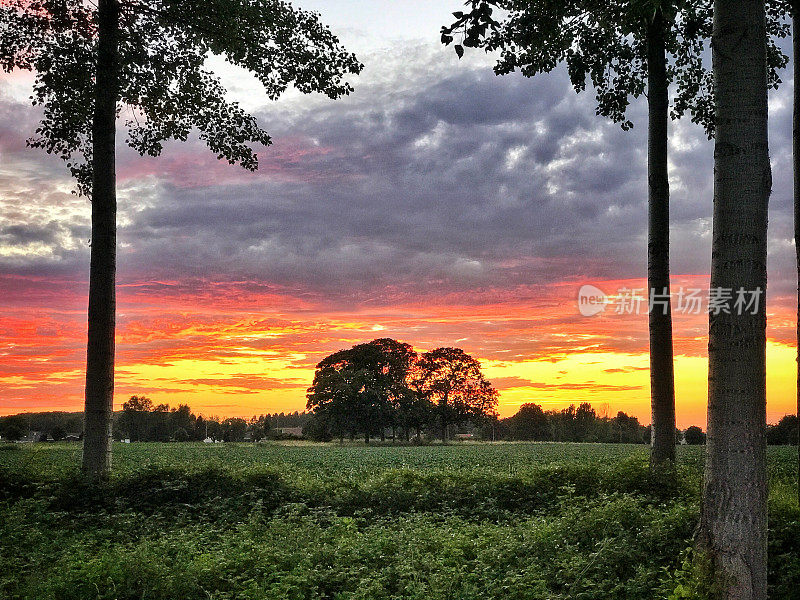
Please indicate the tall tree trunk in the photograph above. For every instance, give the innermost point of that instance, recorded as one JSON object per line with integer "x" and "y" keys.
{"x": 796, "y": 169}
{"x": 102, "y": 297}
{"x": 443, "y": 417}
{"x": 733, "y": 526}
{"x": 662, "y": 379}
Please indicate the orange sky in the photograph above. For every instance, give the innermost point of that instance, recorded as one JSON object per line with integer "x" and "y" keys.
{"x": 239, "y": 349}
{"x": 438, "y": 205}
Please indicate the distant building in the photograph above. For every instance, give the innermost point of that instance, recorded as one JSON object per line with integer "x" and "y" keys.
{"x": 465, "y": 436}
{"x": 291, "y": 431}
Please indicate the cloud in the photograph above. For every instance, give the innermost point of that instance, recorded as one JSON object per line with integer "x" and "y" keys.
{"x": 438, "y": 202}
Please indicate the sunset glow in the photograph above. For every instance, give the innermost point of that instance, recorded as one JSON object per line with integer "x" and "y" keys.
{"x": 232, "y": 350}
{"x": 438, "y": 205}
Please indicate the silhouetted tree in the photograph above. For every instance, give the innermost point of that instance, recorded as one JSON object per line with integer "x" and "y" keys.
{"x": 627, "y": 429}
{"x": 453, "y": 382}
{"x": 181, "y": 419}
{"x": 13, "y": 428}
{"x": 364, "y": 389}
{"x": 625, "y": 48}
{"x": 694, "y": 436}
{"x": 234, "y": 429}
{"x": 530, "y": 423}
{"x": 784, "y": 432}
{"x": 150, "y": 55}
{"x": 135, "y": 420}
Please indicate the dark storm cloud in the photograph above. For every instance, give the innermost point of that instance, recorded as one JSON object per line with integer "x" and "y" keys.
{"x": 461, "y": 179}
{"x": 434, "y": 177}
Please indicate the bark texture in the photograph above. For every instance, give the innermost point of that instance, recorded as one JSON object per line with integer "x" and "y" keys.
{"x": 662, "y": 377}
{"x": 796, "y": 169}
{"x": 102, "y": 296}
{"x": 733, "y": 527}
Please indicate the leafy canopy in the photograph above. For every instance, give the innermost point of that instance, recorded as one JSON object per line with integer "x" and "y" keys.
{"x": 605, "y": 43}
{"x": 166, "y": 90}
{"x": 452, "y": 380}
{"x": 360, "y": 386}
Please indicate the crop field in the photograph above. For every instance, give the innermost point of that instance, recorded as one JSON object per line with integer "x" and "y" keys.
{"x": 295, "y": 521}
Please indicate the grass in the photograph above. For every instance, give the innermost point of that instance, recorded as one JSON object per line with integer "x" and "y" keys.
{"x": 307, "y": 521}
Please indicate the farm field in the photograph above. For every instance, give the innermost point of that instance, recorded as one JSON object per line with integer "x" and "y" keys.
{"x": 294, "y": 521}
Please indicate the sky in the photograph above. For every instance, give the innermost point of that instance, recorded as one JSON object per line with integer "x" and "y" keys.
{"x": 438, "y": 204}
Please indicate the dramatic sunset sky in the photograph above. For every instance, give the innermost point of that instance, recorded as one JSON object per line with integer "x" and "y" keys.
{"x": 439, "y": 205}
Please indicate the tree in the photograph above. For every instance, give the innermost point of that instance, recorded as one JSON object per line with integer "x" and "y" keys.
{"x": 694, "y": 436}
{"x": 364, "y": 388}
{"x": 199, "y": 431}
{"x": 13, "y": 428}
{"x": 148, "y": 55}
{"x": 259, "y": 427}
{"x": 135, "y": 418}
{"x": 622, "y": 46}
{"x": 627, "y": 429}
{"x": 530, "y": 423}
{"x": 58, "y": 433}
{"x": 792, "y": 9}
{"x": 393, "y": 361}
{"x": 342, "y": 394}
{"x": 784, "y": 432}
{"x": 214, "y": 428}
{"x": 181, "y": 419}
{"x": 234, "y": 429}
{"x": 453, "y": 382}
{"x": 585, "y": 419}
{"x": 733, "y": 525}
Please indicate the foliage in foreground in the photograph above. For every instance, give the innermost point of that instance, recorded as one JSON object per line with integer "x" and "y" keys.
{"x": 292, "y": 522}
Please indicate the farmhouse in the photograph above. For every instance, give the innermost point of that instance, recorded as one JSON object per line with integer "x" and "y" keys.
{"x": 291, "y": 431}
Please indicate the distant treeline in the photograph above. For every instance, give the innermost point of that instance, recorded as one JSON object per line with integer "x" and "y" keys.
{"x": 141, "y": 420}
{"x": 582, "y": 424}
{"x": 572, "y": 424}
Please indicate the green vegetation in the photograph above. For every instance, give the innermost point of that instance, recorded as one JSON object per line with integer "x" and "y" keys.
{"x": 327, "y": 521}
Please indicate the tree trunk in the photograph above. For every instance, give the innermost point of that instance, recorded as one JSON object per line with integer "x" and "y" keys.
{"x": 662, "y": 380}
{"x": 443, "y": 418}
{"x": 733, "y": 526}
{"x": 102, "y": 298}
{"x": 796, "y": 169}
